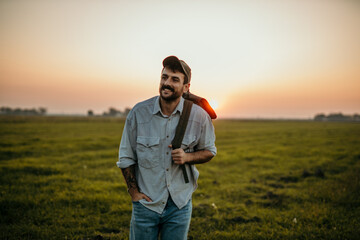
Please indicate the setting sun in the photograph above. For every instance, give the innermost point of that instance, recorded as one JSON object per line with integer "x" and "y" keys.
{"x": 214, "y": 104}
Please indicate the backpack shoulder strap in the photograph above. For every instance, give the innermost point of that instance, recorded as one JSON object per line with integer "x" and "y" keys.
{"x": 181, "y": 127}
{"x": 180, "y": 132}
{"x": 202, "y": 102}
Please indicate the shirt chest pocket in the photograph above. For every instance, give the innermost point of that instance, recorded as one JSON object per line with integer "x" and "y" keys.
{"x": 188, "y": 143}
{"x": 147, "y": 150}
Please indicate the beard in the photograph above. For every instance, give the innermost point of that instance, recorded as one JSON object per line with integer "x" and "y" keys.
{"x": 172, "y": 97}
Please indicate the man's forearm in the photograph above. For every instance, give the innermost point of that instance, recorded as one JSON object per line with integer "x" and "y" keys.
{"x": 198, "y": 157}
{"x": 130, "y": 179}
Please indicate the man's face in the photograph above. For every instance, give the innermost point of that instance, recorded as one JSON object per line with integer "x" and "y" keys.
{"x": 172, "y": 85}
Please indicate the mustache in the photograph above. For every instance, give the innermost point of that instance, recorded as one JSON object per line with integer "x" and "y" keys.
{"x": 167, "y": 87}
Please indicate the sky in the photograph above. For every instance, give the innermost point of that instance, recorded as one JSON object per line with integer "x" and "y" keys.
{"x": 249, "y": 59}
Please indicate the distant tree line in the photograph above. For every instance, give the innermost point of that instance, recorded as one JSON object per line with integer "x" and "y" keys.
{"x": 337, "y": 117}
{"x": 112, "y": 112}
{"x": 23, "y": 111}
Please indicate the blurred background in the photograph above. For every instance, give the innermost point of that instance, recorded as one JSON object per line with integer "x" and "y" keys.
{"x": 250, "y": 59}
{"x": 253, "y": 60}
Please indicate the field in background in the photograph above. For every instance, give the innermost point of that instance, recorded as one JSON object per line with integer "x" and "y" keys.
{"x": 270, "y": 180}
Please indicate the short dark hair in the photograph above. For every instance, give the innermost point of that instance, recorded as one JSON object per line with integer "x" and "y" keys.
{"x": 176, "y": 67}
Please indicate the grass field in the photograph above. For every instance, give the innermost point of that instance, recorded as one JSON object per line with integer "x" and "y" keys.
{"x": 270, "y": 180}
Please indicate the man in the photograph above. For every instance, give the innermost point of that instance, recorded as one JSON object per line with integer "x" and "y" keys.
{"x": 161, "y": 198}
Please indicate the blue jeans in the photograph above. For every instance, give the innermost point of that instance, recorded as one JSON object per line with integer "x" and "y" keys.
{"x": 172, "y": 224}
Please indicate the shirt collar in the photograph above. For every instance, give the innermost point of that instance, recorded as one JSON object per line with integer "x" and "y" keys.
{"x": 179, "y": 107}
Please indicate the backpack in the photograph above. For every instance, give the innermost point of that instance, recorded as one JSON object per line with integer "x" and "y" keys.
{"x": 181, "y": 127}
{"x": 202, "y": 102}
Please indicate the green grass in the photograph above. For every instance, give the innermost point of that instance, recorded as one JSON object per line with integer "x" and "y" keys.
{"x": 270, "y": 180}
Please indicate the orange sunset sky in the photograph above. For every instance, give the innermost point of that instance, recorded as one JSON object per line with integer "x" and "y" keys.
{"x": 269, "y": 59}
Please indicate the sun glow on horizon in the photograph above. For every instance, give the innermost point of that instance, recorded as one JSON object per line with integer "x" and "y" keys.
{"x": 214, "y": 103}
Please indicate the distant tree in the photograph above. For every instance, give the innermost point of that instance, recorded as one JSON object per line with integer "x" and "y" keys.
{"x": 17, "y": 111}
{"x": 338, "y": 117}
{"x": 114, "y": 112}
{"x": 42, "y": 111}
{"x": 320, "y": 117}
{"x": 356, "y": 117}
{"x": 5, "y": 110}
{"x": 31, "y": 112}
{"x": 90, "y": 113}
{"x": 27, "y": 112}
{"x": 127, "y": 110}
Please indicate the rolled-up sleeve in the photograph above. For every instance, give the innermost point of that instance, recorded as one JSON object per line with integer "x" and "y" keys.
{"x": 127, "y": 149}
{"x": 207, "y": 137}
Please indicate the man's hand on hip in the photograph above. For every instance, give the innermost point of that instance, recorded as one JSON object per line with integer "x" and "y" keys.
{"x": 137, "y": 196}
{"x": 133, "y": 189}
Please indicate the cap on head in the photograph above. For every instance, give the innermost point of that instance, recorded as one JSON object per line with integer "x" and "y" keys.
{"x": 175, "y": 64}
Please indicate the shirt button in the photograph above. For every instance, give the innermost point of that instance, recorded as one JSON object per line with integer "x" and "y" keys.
{"x": 167, "y": 169}
{"x": 168, "y": 185}
{"x": 167, "y": 153}
{"x": 167, "y": 136}
{"x": 163, "y": 202}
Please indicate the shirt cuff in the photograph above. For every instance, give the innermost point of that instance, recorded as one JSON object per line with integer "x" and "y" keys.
{"x": 125, "y": 162}
{"x": 213, "y": 150}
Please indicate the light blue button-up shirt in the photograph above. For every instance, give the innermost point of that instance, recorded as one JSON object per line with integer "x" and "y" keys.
{"x": 145, "y": 140}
